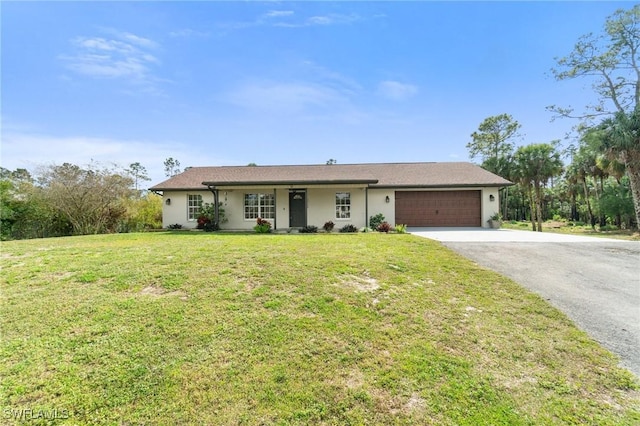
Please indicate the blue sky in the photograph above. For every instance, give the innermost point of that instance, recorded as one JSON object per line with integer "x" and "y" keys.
{"x": 229, "y": 83}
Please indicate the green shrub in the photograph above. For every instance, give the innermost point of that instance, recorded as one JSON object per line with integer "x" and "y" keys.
{"x": 376, "y": 220}
{"x": 207, "y": 214}
{"x": 349, "y": 228}
{"x": 401, "y": 228}
{"x": 143, "y": 214}
{"x": 210, "y": 227}
{"x": 175, "y": 226}
{"x": 262, "y": 226}
{"x": 328, "y": 226}
{"x": 309, "y": 229}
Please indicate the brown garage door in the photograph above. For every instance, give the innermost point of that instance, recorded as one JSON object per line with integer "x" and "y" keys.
{"x": 438, "y": 208}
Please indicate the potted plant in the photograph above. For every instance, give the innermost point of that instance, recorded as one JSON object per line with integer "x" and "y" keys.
{"x": 495, "y": 221}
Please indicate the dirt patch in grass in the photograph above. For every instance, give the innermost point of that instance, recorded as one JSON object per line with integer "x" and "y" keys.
{"x": 362, "y": 284}
{"x": 354, "y": 380}
{"x": 13, "y": 256}
{"x": 415, "y": 403}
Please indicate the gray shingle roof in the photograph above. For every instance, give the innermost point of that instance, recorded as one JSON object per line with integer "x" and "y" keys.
{"x": 415, "y": 175}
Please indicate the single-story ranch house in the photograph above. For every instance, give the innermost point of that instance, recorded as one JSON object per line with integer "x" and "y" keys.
{"x": 415, "y": 194}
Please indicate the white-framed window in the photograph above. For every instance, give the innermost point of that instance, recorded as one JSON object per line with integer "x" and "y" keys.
{"x": 259, "y": 205}
{"x": 343, "y": 205}
{"x": 194, "y": 202}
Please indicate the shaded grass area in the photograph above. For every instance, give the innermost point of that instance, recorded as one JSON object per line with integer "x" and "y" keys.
{"x": 571, "y": 228}
{"x": 194, "y": 328}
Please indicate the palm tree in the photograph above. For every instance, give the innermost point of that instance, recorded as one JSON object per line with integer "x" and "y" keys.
{"x": 619, "y": 139}
{"x": 535, "y": 165}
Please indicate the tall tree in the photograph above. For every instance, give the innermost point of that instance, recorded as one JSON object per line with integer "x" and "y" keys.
{"x": 139, "y": 173}
{"x": 91, "y": 198}
{"x": 569, "y": 190}
{"x": 24, "y": 211}
{"x": 493, "y": 141}
{"x": 536, "y": 164}
{"x": 580, "y": 169}
{"x": 171, "y": 167}
{"x": 619, "y": 139}
{"x": 611, "y": 61}
{"x": 616, "y": 202}
{"x": 7, "y": 209}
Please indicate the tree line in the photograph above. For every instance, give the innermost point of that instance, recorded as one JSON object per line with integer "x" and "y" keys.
{"x": 68, "y": 199}
{"x": 596, "y": 178}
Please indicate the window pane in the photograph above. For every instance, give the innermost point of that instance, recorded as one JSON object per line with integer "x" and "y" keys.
{"x": 194, "y": 202}
{"x": 259, "y": 205}
{"x": 267, "y": 206}
{"x": 250, "y": 206}
{"x": 343, "y": 205}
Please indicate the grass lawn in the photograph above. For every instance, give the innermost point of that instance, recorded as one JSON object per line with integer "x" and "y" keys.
{"x": 194, "y": 328}
{"x": 567, "y": 228}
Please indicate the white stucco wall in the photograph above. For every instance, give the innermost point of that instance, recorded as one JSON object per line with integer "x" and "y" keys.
{"x": 489, "y": 208}
{"x": 378, "y": 204}
{"x": 176, "y": 212}
{"x": 320, "y": 206}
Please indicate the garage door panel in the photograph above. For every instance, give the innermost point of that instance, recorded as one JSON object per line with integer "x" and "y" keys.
{"x": 438, "y": 208}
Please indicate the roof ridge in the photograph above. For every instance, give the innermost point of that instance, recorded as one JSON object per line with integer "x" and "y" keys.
{"x": 337, "y": 164}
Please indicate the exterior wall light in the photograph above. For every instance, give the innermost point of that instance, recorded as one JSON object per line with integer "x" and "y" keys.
{"x": 168, "y": 201}
{"x": 492, "y": 198}
{"x": 386, "y": 199}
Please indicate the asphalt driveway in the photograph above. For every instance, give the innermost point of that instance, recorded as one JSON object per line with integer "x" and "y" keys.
{"x": 594, "y": 281}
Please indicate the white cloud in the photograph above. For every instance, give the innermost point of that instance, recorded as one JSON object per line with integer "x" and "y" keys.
{"x": 125, "y": 56}
{"x": 278, "y": 13}
{"x": 321, "y": 20}
{"x": 396, "y": 91}
{"x": 333, "y": 19}
{"x": 140, "y": 41}
{"x": 325, "y": 76}
{"x": 188, "y": 32}
{"x": 311, "y": 92}
{"x": 287, "y": 19}
{"x": 285, "y": 97}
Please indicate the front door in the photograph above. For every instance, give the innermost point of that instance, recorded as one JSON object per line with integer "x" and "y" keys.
{"x": 297, "y": 209}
